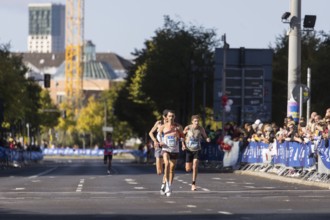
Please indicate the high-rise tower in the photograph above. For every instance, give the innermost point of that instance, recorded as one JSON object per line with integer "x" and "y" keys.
{"x": 46, "y": 28}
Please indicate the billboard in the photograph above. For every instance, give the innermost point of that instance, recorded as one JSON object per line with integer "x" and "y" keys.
{"x": 248, "y": 80}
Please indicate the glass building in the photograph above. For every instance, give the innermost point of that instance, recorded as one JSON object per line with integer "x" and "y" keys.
{"x": 46, "y": 28}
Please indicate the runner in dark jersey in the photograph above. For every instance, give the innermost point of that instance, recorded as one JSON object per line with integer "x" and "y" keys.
{"x": 108, "y": 151}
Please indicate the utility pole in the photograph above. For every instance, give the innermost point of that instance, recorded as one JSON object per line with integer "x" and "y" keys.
{"x": 294, "y": 64}
{"x": 308, "y": 111}
{"x": 225, "y": 47}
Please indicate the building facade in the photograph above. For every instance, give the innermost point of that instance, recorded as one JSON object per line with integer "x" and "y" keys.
{"x": 46, "y": 28}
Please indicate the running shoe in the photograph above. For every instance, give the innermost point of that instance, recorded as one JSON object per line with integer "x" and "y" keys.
{"x": 168, "y": 190}
{"x": 109, "y": 172}
{"x": 162, "y": 189}
{"x": 193, "y": 187}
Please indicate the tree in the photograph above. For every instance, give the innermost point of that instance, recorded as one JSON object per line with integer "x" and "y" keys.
{"x": 315, "y": 53}
{"x": 90, "y": 120}
{"x": 121, "y": 129}
{"x": 164, "y": 74}
{"x": 13, "y": 85}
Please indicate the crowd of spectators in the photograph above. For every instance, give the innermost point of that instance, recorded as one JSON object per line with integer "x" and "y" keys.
{"x": 301, "y": 130}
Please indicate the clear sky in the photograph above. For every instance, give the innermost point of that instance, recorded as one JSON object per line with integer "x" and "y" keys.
{"x": 120, "y": 26}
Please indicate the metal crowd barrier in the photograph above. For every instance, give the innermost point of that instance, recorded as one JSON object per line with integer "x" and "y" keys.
{"x": 18, "y": 158}
{"x": 310, "y": 162}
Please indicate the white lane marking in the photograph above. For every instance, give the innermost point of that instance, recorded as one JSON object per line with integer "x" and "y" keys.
{"x": 284, "y": 210}
{"x": 133, "y": 183}
{"x": 216, "y": 178}
{"x": 250, "y": 187}
{"x": 170, "y": 202}
{"x": 129, "y": 180}
{"x": 225, "y": 213}
{"x": 269, "y": 187}
{"x": 206, "y": 190}
{"x": 185, "y": 211}
{"x": 139, "y": 187}
{"x": 80, "y": 185}
{"x": 191, "y": 206}
{"x": 230, "y": 182}
{"x": 18, "y": 189}
{"x": 35, "y": 181}
{"x": 43, "y": 173}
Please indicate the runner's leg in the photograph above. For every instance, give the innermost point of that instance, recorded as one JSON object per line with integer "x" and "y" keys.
{"x": 194, "y": 175}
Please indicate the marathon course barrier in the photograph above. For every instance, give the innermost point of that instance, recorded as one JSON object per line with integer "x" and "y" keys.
{"x": 18, "y": 158}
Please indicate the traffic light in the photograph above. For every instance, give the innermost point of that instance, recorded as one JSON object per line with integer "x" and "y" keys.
{"x": 47, "y": 80}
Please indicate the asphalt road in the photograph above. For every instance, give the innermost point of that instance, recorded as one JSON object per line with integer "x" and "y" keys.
{"x": 80, "y": 189}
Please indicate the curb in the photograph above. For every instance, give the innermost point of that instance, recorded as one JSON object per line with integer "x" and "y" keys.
{"x": 283, "y": 179}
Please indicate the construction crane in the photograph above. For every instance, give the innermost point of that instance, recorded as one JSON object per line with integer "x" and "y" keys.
{"x": 74, "y": 41}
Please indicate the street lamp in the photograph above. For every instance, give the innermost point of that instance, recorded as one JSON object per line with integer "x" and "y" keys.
{"x": 224, "y": 95}
{"x": 294, "y": 53}
{"x": 309, "y": 22}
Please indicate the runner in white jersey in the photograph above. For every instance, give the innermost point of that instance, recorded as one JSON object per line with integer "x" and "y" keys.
{"x": 158, "y": 149}
{"x": 170, "y": 138}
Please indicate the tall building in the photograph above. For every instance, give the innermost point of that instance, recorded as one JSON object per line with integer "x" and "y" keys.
{"x": 46, "y": 28}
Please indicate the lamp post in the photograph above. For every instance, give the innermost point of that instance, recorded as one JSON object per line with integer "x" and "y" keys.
{"x": 225, "y": 47}
{"x": 294, "y": 54}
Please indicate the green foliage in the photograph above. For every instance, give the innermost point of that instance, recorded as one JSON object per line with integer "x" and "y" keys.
{"x": 162, "y": 75}
{"x": 23, "y": 99}
{"x": 13, "y": 85}
{"x": 315, "y": 53}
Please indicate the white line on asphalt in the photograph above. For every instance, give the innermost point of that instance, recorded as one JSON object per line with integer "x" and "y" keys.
{"x": 18, "y": 189}
{"x": 216, "y": 178}
{"x": 225, "y": 213}
{"x": 43, "y": 173}
{"x": 191, "y": 206}
{"x": 139, "y": 187}
{"x": 170, "y": 202}
{"x": 206, "y": 190}
{"x": 184, "y": 212}
{"x": 80, "y": 185}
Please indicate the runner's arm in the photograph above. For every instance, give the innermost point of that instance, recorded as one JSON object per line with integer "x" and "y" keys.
{"x": 152, "y": 131}
{"x": 205, "y": 135}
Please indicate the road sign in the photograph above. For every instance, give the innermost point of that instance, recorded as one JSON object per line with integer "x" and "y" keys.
{"x": 107, "y": 129}
{"x": 305, "y": 93}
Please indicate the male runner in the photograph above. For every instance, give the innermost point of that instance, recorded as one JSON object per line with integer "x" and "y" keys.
{"x": 171, "y": 134}
{"x": 194, "y": 134}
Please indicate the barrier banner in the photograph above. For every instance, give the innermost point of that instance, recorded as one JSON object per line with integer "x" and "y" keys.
{"x": 307, "y": 159}
{"x": 252, "y": 153}
{"x": 290, "y": 154}
{"x": 324, "y": 157}
{"x": 83, "y": 152}
{"x": 281, "y": 153}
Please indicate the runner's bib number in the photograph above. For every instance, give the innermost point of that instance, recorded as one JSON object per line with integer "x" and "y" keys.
{"x": 194, "y": 144}
{"x": 170, "y": 141}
